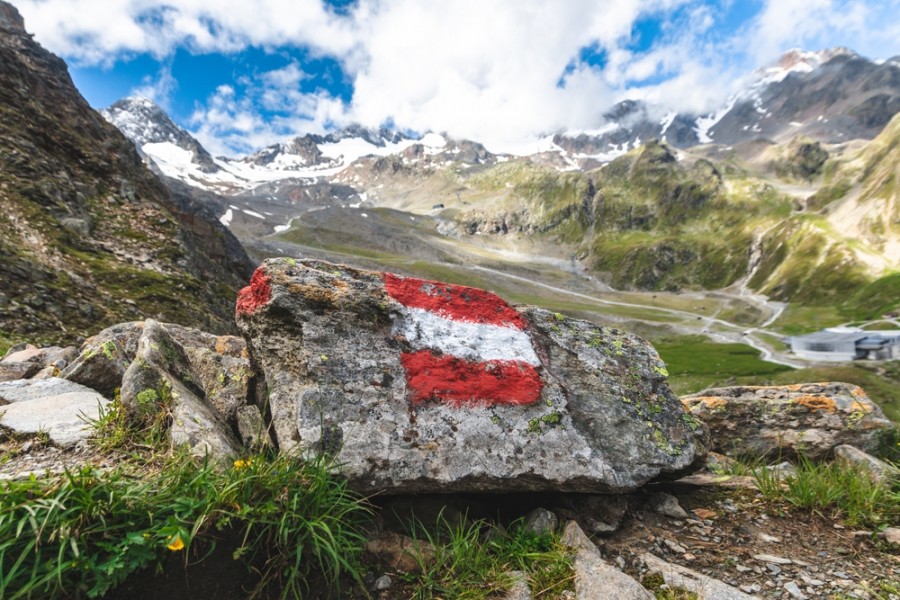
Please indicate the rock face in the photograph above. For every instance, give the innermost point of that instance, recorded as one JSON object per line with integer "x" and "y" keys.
{"x": 88, "y": 236}
{"x": 810, "y": 418}
{"x": 423, "y": 386}
{"x": 200, "y": 385}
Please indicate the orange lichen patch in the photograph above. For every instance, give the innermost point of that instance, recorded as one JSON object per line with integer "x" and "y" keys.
{"x": 315, "y": 293}
{"x": 229, "y": 344}
{"x": 708, "y": 402}
{"x": 817, "y": 403}
{"x": 858, "y": 392}
{"x": 860, "y": 407}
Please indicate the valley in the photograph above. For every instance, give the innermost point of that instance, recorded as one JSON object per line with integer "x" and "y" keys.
{"x": 713, "y": 236}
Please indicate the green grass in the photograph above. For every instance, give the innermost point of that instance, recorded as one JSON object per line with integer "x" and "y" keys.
{"x": 469, "y": 565}
{"x": 834, "y": 490}
{"x": 694, "y": 362}
{"x": 83, "y": 533}
{"x": 6, "y": 342}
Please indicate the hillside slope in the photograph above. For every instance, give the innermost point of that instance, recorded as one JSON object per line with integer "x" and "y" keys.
{"x": 89, "y": 236}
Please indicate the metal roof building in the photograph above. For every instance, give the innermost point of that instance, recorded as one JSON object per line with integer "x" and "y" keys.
{"x": 846, "y": 345}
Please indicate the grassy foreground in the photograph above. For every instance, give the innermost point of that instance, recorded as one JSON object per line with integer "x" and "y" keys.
{"x": 85, "y": 532}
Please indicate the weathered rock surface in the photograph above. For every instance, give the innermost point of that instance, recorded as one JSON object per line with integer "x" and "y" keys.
{"x": 163, "y": 377}
{"x": 878, "y": 470}
{"x": 422, "y": 386}
{"x": 56, "y": 407}
{"x": 705, "y": 587}
{"x": 104, "y": 358}
{"x": 594, "y": 577}
{"x": 25, "y": 389}
{"x": 771, "y": 421}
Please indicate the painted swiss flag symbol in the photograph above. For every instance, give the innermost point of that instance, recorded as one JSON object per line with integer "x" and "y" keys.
{"x": 469, "y": 346}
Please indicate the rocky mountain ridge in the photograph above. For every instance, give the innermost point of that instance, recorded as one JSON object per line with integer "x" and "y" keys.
{"x": 90, "y": 236}
{"x": 831, "y": 96}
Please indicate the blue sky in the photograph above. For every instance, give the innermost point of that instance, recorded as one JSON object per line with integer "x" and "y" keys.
{"x": 241, "y": 74}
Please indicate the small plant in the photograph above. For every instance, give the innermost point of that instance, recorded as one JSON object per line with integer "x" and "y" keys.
{"x": 468, "y": 564}
{"x": 833, "y": 490}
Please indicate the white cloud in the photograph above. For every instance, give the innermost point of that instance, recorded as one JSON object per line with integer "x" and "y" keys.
{"x": 159, "y": 88}
{"x": 482, "y": 69}
{"x": 230, "y": 122}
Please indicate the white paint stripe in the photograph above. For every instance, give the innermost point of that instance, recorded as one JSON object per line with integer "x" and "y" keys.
{"x": 472, "y": 341}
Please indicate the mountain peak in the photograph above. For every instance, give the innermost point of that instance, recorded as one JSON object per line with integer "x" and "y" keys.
{"x": 144, "y": 122}
{"x": 10, "y": 17}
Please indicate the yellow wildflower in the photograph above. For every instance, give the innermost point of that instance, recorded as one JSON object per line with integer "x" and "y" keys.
{"x": 176, "y": 544}
{"x": 241, "y": 463}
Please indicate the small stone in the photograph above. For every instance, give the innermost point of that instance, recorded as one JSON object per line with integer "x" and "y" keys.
{"x": 519, "y": 590}
{"x": 667, "y": 505}
{"x": 541, "y": 521}
{"x": 878, "y": 470}
{"x": 704, "y": 513}
{"x": 742, "y": 569}
{"x": 794, "y": 590}
{"x": 891, "y": 535}
{"x": 769, "y": 538}
{"x": 773, "y": 569}
{"x": 400, "y": 552}
{"x": 771, "y": 558}
{"x": 782, "y": 470}
{"x": 674, "y": 546}
{"x": 27, "y": 446}
{"x": 383, "y": 583}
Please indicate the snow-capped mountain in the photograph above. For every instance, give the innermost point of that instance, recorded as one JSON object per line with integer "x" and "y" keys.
{"x": 155, "y": 134}
{"x": 831, "y": 96}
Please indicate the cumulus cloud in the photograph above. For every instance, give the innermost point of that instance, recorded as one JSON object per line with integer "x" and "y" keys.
{"x": 158, "y": 88}
{"x": 499, "y": 71}
{"x": 230, "y": 121}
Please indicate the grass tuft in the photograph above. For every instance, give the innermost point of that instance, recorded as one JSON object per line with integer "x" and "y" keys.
{"x": 83, "y": 533}
{"x": 833, "y": 490}
{"x": 472, "y": 561}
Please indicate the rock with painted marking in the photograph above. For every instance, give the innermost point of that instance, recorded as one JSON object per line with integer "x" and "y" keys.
{"x": 773, "y": 421}
{"x": 60, "y": 409}
{"x": 418, "y": 386}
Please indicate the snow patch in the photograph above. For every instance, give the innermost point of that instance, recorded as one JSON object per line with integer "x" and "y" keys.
{"x": 226, "y": 218}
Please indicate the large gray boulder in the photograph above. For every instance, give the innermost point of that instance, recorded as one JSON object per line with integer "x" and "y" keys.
{"x": 783, "y": 421}
{"x": 418, "y": 386}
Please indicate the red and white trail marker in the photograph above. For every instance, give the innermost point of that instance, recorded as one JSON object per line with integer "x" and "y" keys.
{"x": 469, "y": 346}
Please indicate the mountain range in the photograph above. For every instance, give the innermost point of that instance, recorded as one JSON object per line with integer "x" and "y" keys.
{"x": 789, "y": 188}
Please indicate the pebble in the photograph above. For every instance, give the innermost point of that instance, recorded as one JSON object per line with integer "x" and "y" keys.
{"x": 773, "y": 568}
{"x": 382, "y": 583}
{"x": 771, "y": 558}
{"x": 769, "y": 538}
{"x": 674, "y": 546}
{"x": 794, "y": 590}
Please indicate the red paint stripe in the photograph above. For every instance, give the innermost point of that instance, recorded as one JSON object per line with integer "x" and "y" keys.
{"x": 461, "y": 382}
{"x": 255, "y": 295}
{"x": 457, "y": 302}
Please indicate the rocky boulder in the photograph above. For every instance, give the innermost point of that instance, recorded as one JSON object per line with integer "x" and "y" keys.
{"x": 24, "y": 361}
{"x": 58, "y": 408}
{"x": 772, "y": 421}
{"x": 418, "y": 386}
